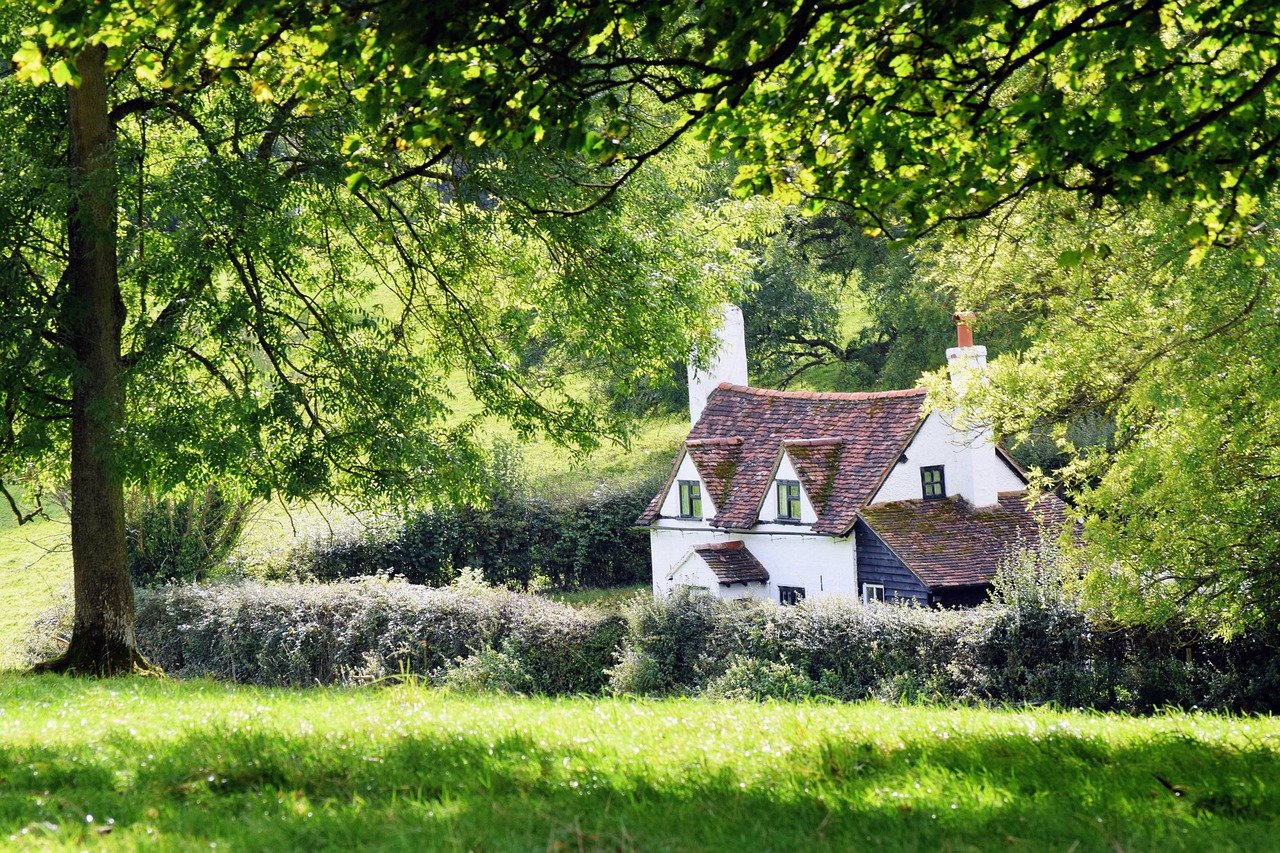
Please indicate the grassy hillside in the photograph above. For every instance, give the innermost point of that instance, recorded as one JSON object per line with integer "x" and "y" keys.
{"x": 35, "y": 575}
{"x": 184, "y": 766}
{"x": 552, "y": 468}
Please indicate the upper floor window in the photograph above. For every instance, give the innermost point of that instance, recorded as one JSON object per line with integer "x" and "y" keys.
{"x": 788, "y": 500}
{"x": 932, "y": 482}
{"x": 690, "y": 499}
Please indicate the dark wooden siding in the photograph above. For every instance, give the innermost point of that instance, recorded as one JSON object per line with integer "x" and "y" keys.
{"x": 877, "y": 564}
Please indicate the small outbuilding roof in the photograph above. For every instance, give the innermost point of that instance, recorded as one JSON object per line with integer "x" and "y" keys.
{"x": 948, "y": 543}
{"x": 732, "y": 563}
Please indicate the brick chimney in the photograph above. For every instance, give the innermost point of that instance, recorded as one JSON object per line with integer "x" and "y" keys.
{"x": 728, "y": 363}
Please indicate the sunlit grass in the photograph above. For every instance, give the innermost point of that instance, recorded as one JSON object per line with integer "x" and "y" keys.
{"x": 35, "y": 575}
{"x": 613, "y": 599}
{"x": 130, "y": 764}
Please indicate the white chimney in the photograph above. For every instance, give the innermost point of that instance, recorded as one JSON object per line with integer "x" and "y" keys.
{"x": 975, "y": 446}
{"x": 727, "y": 364}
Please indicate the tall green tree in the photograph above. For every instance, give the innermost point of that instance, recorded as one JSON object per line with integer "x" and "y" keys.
{"x": 1180, "y": 504}
{"x": 864, "y": 310}
{"x": 914, "y": 114}
{"x": 198, "y": 295}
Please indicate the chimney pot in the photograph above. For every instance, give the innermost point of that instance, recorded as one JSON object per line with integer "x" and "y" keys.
{"x": 964, "y": 327}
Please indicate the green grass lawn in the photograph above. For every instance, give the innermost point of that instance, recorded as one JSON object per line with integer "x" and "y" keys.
{"x": 184, "y": 766}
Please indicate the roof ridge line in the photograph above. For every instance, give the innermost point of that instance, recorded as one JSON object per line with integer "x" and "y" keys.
{"x": 731, "y": 545}
{"x": 812, "y": 442}
{"x": 821, "y": 395}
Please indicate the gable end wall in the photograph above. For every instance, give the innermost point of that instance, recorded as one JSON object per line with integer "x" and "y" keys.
{"x": 877, "y": 564}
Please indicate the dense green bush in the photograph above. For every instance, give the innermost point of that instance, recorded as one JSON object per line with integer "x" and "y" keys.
{"x": 1037, "y": 642}
{"x": 299, "y": 634}
{"x": 691, "y": 643}
{"x": 180, "y": 540}
{"x": 587, "y": 541}
{"x": 488, "y": 670}
{"x": 750, "y": 678}
{"x": 687, "y": 643}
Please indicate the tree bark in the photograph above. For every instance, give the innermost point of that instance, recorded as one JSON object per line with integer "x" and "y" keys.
{"x": 102, "y": 638}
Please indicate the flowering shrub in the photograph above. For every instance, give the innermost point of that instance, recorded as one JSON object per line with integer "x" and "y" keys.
{"x": 691, "y": 643}
{"x": 688, "y": 642}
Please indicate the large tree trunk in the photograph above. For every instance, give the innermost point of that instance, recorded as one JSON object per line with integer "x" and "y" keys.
{"x": 102, "y": 639}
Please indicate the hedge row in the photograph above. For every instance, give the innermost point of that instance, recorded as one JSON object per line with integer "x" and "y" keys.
{"x": 580, "y": 543}
{"x": 992, "y": 655}
{"x": 305, "y": 634}
{"x": 480, "y": 638}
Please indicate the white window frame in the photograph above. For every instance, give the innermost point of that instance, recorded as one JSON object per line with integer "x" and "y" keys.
{"x": 869, "y": 591}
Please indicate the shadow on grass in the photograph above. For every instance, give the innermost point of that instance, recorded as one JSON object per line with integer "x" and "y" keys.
{"x": 250, "y": 790}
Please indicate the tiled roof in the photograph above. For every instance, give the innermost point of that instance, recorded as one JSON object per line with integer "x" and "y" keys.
{"x": 871, "y": 428}
{"x": 816, "y": 462}
{"x": 732, "y": 563}
{"x": 717, "y": 462}
{"x": 948, "y": 543}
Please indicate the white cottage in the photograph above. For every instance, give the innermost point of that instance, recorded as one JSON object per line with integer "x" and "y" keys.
{"x": 782, "y": 495}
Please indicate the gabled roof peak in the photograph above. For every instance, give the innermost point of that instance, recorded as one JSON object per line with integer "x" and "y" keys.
{"x": 842, "y": 446}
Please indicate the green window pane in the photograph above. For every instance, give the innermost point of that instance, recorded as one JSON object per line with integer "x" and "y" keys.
{"x": 788, "y": 499}
{"x": 932, "y": 483}
{"x": 690, "y": 499}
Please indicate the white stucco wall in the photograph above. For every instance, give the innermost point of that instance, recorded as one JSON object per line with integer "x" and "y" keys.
{"x": 822, "y": 565}
{"x": 971, "y": 467}
{"x": 728, "y": 363}
{"x": 769, "y": 505}
{"x": 671, "y": 503}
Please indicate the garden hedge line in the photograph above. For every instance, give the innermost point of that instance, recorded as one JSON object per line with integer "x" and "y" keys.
{"x": 294, "y": 634}
{"x": 990, "y": 655}
{"x": 586, "y": 541}
{"x": 306, "y": 634}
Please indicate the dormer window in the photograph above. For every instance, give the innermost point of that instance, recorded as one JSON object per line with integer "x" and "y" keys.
{"x": 788, "y": 500}
{"x": 932, "y": 483}
{"x": 690, "y": 499}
